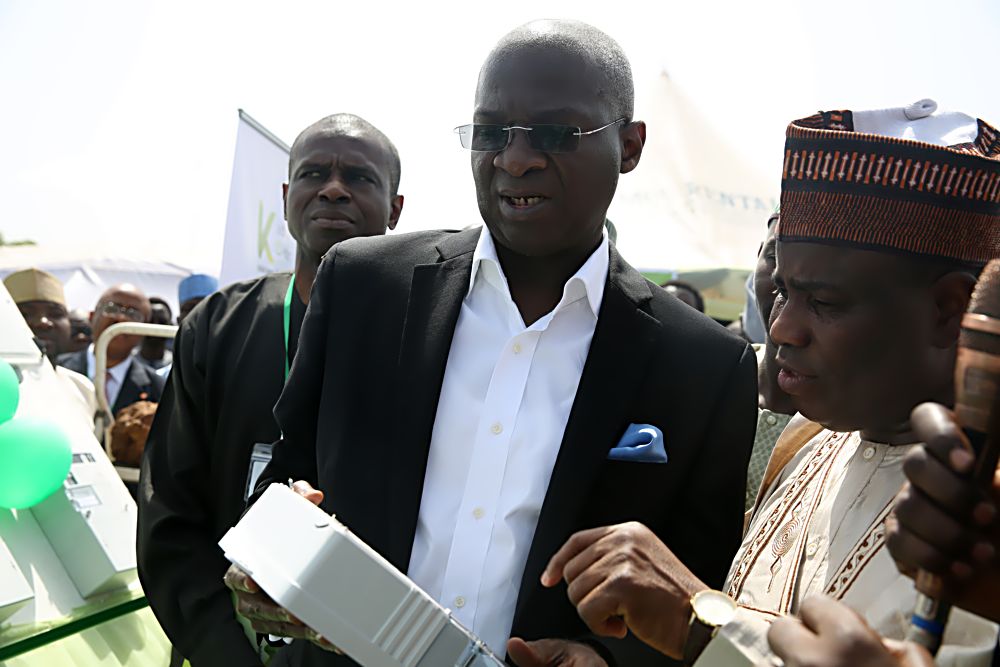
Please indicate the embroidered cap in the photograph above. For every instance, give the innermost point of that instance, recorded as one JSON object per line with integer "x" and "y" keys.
{"x": 909, "y": 179}
{"x": 35, "y": 285}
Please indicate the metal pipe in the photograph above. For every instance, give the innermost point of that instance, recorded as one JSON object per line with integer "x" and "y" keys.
{"x": 101, "y": 365}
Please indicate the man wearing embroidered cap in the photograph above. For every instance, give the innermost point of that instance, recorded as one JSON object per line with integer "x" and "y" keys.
{"x": 887, "y": 217}
{"x": 39, "y": 296}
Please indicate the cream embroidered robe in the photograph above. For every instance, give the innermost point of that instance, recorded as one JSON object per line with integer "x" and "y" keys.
{"x": 820, "y": 530}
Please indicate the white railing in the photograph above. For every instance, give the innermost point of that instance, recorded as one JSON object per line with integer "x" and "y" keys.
{"x": 104, "y": 419}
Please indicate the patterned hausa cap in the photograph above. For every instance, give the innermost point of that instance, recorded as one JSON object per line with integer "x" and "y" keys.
{"x": 910, "y": 180}
{"x": 35, "y": 285}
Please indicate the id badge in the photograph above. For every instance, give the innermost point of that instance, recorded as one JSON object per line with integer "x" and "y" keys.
{"x": 259, "y": 458}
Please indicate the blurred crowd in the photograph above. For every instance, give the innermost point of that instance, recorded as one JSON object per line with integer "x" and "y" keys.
{"x": 136, "y": 366}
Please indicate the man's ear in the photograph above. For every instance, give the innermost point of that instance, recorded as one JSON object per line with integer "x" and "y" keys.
{"x": 951, "y": 293}
{"x": 395, "y": 210}
{"x": 633, "y": 137}
{"x": 284, "y": 200}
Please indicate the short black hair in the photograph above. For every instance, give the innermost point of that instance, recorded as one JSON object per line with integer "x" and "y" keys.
{"x": 583, "y": 41}
{"x": 157, "y": 301}
{"x": 687, "y": 287}
{"x": 347, "y": 124}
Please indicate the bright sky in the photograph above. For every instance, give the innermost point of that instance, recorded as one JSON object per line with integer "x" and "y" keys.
{"x": 118, "y": 119}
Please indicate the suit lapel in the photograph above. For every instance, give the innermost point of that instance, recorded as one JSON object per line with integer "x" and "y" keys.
{"x": 132, "y": 386}
{"x": 623, "y": 340}
{"x": 76, "y": 362}
{"x": 435, "y": 301}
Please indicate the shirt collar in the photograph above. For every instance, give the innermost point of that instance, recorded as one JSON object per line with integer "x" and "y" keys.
{"x": 117, "y": 372}
{"x": 590, "y": 278}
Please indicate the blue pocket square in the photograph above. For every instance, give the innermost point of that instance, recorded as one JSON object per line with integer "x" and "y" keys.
{"x": 642, "y": 443}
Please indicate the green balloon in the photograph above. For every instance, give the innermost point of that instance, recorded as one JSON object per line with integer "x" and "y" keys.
{"x": 10, "y": 392}
{"x": 35, "y": 456}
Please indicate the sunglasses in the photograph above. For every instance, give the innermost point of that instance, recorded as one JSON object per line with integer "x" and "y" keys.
{"x": 485, "y": 138}
{"x": 112, "y": 309}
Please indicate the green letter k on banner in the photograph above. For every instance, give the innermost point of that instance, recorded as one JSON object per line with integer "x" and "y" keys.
{"x": 263, "y": 231}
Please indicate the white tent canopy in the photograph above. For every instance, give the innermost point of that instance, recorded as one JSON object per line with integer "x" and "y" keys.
{"x": 693, "y": 207}
{"x": 85, "y": 275}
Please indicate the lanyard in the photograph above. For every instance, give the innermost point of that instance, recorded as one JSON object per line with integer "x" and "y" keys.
{"x": 288, "y": 318}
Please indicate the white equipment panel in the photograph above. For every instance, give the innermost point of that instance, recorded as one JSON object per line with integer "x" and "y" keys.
{"x": 15, "y": 591}
{"x": 91, "y": 523}
{"x": 312, "y": 565}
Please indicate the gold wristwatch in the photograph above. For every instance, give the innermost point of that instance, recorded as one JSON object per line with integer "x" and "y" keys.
{"x": 710, "y": 610}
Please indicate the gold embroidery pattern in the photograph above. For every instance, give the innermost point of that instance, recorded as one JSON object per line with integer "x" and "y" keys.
{"x": 828, "y": 447}
{"x": 762, "y": 612}
{"x": 860, "y": 556}
{"x": 784, "y": 540}
{"x": 813, "y": 498}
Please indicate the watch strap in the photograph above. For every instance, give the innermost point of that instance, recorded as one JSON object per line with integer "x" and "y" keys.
{"x": 699, "y": 635}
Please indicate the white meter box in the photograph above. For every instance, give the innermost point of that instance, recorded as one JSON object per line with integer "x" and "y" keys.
{"x": 312, "y": 565}
{"x": 90, "y": 524}
{"x": 15, "y": 591}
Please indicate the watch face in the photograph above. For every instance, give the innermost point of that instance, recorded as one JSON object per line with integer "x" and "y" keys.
{"x": 714, "y": 608}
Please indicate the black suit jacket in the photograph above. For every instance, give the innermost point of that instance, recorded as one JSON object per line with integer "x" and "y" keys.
{"x": 141, "y": 381}
{"x": 358, "y": 411}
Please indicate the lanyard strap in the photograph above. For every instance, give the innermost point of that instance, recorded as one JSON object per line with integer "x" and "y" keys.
{"x": 288, "y": 318}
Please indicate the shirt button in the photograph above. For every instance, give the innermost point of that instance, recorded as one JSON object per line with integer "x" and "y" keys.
{"x": 497, "y": 428}
{"x": 868, "y": 453}
{"x": 459, "y": 602}
{"x": 771, "y": 419}
{"x": 479, "y": 513}
{"x": 517, "y": 348}
{"x": 812, "y": 548}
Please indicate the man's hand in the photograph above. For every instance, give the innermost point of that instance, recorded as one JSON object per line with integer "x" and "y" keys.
{"x": 623, "y": 578}
{"x": 943, "y": 522}
{"x": 553, "y": 653}
{"x": 130, "y": 431}
{"x": 265, "y": 615}
{"x": 831, "y": 634}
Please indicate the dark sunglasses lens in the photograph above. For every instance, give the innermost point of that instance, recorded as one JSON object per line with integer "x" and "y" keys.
{"x": 554, "y": 138}
{"x": 489, "y": 138}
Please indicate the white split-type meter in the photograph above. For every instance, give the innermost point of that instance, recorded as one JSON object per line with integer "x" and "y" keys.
{"x": 15, "y": 591}
{"x": 312, "y": 565}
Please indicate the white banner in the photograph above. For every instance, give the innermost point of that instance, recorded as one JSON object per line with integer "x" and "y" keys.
{"x": 694, "y": 209}
{"x": 257, "y": 239}
{"x": 693, "y": 202}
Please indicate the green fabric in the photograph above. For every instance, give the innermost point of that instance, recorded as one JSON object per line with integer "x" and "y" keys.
{"x": 769, "y": 427}
{"x": 288, "y": 318}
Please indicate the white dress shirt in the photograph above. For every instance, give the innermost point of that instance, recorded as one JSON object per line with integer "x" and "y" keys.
{"x": 116, "y": 375}
{"x": 503, "y": 407}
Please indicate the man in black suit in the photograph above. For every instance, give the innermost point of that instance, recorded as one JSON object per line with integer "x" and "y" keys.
{"x": 458, "y": 398}
{"x": 231, "y": 358}
{"x": 128, "y": 379}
